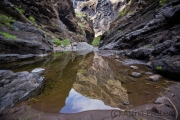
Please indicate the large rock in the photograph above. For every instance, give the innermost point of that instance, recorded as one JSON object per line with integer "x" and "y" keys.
{"x": 84, "y": 48}
{"x": 16, "y": 87}
{"x": 168, "y": 66}
{"x": 150, "y": 33}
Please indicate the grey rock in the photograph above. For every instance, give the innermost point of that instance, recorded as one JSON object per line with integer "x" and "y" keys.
{"x": 149, "y": 73}
{"x": 170, "y": 66}
{"x": 133, "y": 67}
{"x": 17, "y": 87}
{"x": 117, "y": 57}
{"x": 126, "y": 103}
{"x": 159, "y": 100}
{"x": 84, "y": 46}
{"x": 136, "y": 74}
{"x": 154, "y": 78}
{"x": 38, "y": 71}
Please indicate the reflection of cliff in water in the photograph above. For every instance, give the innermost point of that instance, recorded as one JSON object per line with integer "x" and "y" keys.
{"x": 60, "y": 76}
{"x": 96, "y": 80}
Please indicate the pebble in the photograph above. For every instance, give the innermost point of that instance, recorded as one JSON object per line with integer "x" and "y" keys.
{"x": 38, "y": 70}
{"x": 133, "y": 67}
{"x": 149, "y": 73}
{"x": 126, "y": 103}
{"x": 154, "y": 78}
{"x": 159, "y": 100}
{"x": 136, "y": 74}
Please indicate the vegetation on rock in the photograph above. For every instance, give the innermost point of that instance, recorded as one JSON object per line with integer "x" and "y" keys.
{"x": 96, "y": 41}
{"x": 162, "y": 2}
{"x": 159, "y": 68}
{"x": 19, "y": 8}
{"x": 64, "y": 42}
{"x": 6, "y": 21}
{"x": 80, "y": 14}
{"x": 7, "y": 35}
{"x": 80, "y": 25}
{"x": 31, "y": 18}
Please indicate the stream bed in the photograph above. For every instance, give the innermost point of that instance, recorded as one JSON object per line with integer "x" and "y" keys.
{"x": 75, "y": 83}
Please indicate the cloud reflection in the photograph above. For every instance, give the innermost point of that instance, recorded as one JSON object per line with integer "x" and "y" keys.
{"x": 75, "y": 102}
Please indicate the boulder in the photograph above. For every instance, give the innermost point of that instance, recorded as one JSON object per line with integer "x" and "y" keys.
{"x": 136, "y": 74}
{"x": 154, "y": 78}
{"x": 17, "y": 87}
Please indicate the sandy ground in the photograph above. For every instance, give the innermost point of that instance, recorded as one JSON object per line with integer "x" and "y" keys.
{"x": 168, "y": 108}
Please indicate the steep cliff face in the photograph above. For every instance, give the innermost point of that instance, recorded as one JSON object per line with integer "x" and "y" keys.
{"x": 31, "y": 27}
{"x": 102, "y": 12}
{"x": 148, "y": 30}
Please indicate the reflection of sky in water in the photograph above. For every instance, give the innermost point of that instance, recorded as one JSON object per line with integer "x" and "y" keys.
{"x": 75, "y": 102}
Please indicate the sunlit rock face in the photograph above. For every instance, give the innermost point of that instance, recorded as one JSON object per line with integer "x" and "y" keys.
{"x": 98, "y": 81}
{"x": 102, "y": 12}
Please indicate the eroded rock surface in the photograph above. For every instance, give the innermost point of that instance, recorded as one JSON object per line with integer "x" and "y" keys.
{"x": 150, "y": 33}
{"x": 16, "y": 87}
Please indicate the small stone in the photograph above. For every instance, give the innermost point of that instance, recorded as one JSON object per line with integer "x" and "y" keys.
{"x": 159, "y": 100}
{"x": 117, "y": 57}
{"x": 133, "y": 67}
{"x": 126, "y": 103}
{"x": 38, "y": 71}
{"x": 154, "y": 78}
{"x": 149, "y": 73}
{"x": 136, "y": 74}
{"x": 172, "y": 95}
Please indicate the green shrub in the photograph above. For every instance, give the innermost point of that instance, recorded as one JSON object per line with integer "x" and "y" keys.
{"x": 80, "y": 25}
{"x": 119, "y": 31}
{"x": 64, "y": 42}
{"x": 122, "y": 13}
{"x": 6, "y": 21}
{"x": 80, "y": 14}
{"x": 159, "y": 68}
{"x": 19, "y": 8}
{"x": 56, "y": 42}
{"x": 162, "y": 2}
{"x": 96, "y": 41}
{"x": 31, "y": 18}
{"x": 175, "y": 6}
{"x": 7, "y": 35}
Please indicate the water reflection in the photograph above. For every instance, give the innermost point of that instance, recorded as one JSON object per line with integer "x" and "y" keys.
{"x": 76, "y": 102}
{"x": 76, "y": 83}
{"x": 97, "y": 81}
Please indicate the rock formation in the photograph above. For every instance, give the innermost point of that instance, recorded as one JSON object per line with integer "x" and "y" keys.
{"x": 150, "y": 32}
{"x": 102, "y": 12}
{"x": 31, "y": 27}
{"x": 20, "y": 86}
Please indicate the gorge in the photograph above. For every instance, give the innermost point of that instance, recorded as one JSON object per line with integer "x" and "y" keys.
{"x": 132, "y": 73}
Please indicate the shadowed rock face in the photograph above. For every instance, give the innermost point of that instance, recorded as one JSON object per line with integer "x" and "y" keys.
{"x": 102, "y": 12}
{"x": 150, "y": 33}
{"x": 49, "y": 20}
{"x": 16, "y": 87}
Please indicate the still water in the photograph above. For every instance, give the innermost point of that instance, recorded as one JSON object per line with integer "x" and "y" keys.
{"x": 75, "y": 83}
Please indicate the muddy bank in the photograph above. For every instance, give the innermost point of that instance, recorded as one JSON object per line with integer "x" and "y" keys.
{"x": 166, "y": 108}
